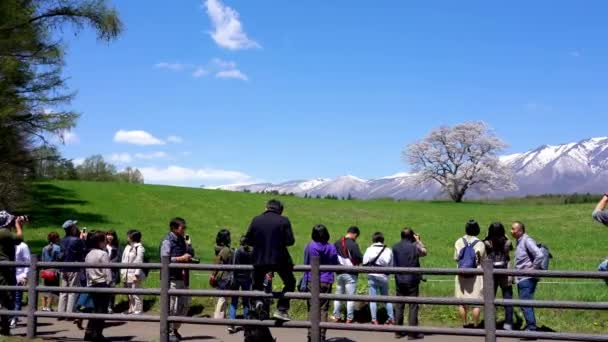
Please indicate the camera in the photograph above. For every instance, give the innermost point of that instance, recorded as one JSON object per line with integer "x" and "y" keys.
{"x": 195, "y": 260}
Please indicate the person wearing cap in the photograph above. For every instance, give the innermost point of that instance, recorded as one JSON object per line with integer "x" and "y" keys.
{"x": 73, "y": 250}
{"x": 8, "y": 240}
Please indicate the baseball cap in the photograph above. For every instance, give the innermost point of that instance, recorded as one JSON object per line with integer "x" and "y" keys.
{"x": 67, "y": 224}
{"x": 5, "y": 218}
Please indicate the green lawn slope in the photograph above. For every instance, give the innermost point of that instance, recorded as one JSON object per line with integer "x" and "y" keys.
{"x": 577, "y": 243}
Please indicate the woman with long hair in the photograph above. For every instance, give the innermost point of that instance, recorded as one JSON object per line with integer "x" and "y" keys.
{"x": 498, "y": 248}
{"x": 222, "y": 279}
{"x": 114, "y": 252}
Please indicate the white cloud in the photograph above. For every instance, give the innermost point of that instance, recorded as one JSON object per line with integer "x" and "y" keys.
{"x": 120, "y": 158}
{"x": 222, "y": 64}
{"x": 71, "y": 138}
{"x": 186, "y": 153}
{"x": 177, "y": 175}
{"x": 175, "y": 139}
{"x": 199, "y": 72}
{"x": 234, "y": 73}
{"x": 151, "y": 155}
{"x": 77, "y": 161}
{"x": 137, "y": 137}
{"x": 228, "y": 30}
{"x": 171, "y": 66}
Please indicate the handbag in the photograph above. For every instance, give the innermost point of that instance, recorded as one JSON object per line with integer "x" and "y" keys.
{"x": 49, "y": 275}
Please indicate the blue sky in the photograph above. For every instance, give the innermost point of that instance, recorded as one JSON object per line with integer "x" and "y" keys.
{"x": 230, "y": 91}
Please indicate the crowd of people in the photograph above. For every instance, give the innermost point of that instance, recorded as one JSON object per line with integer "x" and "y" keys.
{"x": 265, "y": 246}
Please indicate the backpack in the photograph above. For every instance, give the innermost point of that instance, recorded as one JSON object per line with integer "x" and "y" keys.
{"x": 544, "y": 265}
{"x": 467, "y": 258}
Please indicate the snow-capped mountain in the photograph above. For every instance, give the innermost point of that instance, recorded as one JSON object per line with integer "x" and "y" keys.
{"x": 567, "y": 168}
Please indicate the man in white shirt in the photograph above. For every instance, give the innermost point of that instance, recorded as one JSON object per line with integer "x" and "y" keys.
{"x": 22, "y": 254}
{"x": 378, "y": 254}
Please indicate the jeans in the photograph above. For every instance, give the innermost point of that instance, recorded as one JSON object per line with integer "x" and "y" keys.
{"x": 325, "y": 288}
{"x": 526, "y": 289}
{"x": 286, "y": 274}
{"x": 234, "y": 302}
{"x": 407, "y": 290}
{"x": 379, "y": 286}
{"x": 67, "y": 301}
{"x": 507, "y": 293}
{"x": 345, "y": 284}
{"x": 18, "y": 301}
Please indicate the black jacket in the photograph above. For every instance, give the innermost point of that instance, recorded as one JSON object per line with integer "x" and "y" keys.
{"x": 270, "y": 234}
{"x": 405, "y": 254}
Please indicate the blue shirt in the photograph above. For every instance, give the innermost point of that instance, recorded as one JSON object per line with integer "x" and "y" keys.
{"x": 527, "y": 255}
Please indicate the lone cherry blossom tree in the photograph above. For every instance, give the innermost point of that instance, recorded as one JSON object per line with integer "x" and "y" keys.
{"x": 460, "y": 158}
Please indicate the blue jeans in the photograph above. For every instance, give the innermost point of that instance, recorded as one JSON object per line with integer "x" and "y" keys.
{"x": 234, "y": 303}
{"x": 345, "y": 284}
{"x": 526, "y": 289}
{"x": 379, "y": 286}
{"x": 18, "y": 301}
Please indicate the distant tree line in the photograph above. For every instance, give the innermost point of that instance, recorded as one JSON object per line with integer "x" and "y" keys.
{"x": 48, "y": 164}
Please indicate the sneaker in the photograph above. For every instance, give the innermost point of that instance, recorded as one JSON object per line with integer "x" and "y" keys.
{"x": 349, "y": 321}
{"x": 110, "y": 311}
{"x": 137, "y": 313}
{"x": 335, "y": 319}
{"x": 374, "y": 322}
{"x": 231, "y": 330}
{"x": 418, "y": 336}
{"x": 507, "y": 327}
{"x": 282, "y": 315}
{"x": 389, "y": 322}
{"x": 13, "y": 323}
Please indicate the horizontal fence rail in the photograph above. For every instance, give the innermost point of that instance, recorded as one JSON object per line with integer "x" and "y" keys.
{"x": 489, "y": 302}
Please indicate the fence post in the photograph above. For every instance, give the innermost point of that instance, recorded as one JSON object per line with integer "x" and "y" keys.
{"x": 164, "y": 298}
{"x": 315, "y": 301}
{"x": 32, "y": 297}
{"x": 489, "y": 308}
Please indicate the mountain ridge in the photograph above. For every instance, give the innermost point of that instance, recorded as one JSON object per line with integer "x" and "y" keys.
{"x": 566, "y": 168}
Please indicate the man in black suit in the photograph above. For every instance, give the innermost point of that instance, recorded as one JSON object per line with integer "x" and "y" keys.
{"x": 270, "y": 234}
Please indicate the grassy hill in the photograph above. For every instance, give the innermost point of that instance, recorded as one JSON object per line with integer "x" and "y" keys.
{"x": 576, "y": 242}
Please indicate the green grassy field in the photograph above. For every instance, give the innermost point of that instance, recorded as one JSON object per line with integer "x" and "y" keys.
{"x": 576, "y": 242}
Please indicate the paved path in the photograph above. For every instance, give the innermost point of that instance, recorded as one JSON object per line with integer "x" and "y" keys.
{"x": 50, "y": 329}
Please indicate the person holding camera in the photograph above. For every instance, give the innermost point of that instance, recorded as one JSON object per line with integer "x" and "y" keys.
{"x": 407, "y": 253}
{"x": 599, "y": 213}
{"x": 73, "y": 248}
{"x": 8, "y": 239}
{"x": 175, "y": 246}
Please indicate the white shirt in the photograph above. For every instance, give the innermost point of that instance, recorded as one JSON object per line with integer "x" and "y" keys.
{"x": 22, "y": 254}
{"x": 133, "y": 254}
{"x": 385, "y": 260}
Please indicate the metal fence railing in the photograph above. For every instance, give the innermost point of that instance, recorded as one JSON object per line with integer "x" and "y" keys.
{"x": 489, "y": 301}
